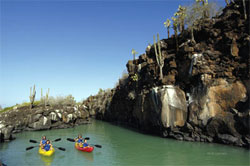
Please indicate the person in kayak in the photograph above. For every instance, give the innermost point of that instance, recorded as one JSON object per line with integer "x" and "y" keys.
{"x": 85, "y": 144}
{"x": 43, "y": 141}
{"x": 79, "y": 140}
{"x": 47, "y": 146}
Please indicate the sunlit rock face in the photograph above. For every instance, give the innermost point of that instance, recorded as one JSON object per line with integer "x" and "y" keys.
{"x": 169, "y": 102}
{"x": 216, "y": 100}
{"x": 161, "y": 107}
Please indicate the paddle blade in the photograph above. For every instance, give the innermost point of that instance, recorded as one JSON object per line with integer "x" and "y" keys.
{"x": 98, "y": 146}
{"x": 60, "y": 148}
{"x": 30, "y": 148}
{"x": 58, "y": 139}
{"x": 70, "y": 139}
{"x": 33, "y": 141}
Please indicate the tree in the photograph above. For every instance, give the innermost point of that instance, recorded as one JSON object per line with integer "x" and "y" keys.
{"x": 194, "y": 14}
{"x": 134, "y": 53}
{"x": 159, "y": 57}
{"x": 167, "y": 25}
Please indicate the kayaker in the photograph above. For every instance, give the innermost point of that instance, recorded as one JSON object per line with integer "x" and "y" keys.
{"x": 43, "y": 141}
{"x": 47, "y": 146}
{"x": 79, "y": 140}
{"x": 85, "y": 144}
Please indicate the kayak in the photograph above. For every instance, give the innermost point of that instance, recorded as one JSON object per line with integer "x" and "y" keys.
{"x": 46, "y": 153}
{"x": 84, "y": 149}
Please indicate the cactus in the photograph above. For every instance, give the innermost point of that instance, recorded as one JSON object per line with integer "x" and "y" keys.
{"x": 41, "y": 94}
{"x": 158, "y": 55}
{"x": 175, "y": 25}
{"x": 32, "y": 96}
{"x": 167, "y": 25}
{"x": 181, "y": 15}
{"x": 204, "y": 4}
{"x": 46, "y": 98}
{"x": 134, "y": 53}
{"x": 244, "y": 6}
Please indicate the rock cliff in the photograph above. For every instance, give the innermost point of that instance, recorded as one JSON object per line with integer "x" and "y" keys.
{"x": 204, "y": 92}
{"x": 39, "y": 118}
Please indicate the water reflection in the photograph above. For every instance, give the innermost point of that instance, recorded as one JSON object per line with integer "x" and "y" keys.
{"x": 86, "y": 155}
{"x": 47, "y": 160}
{"x": 120, "y": 146}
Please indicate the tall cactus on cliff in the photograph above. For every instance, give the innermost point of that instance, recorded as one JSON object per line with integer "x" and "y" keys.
{"x": 46, "y": 98}
{"x": 244, "y": 7}
{"x": 175, "y": 27}
{"x": 158, "y": 55}
{"x": 32, "y": 96}
{"x": 134, "y": 53}
{"x": 205, "y": 10}
{"x": 180, "y": 17}
{"x": 167, "y": 25}
{"x": 41, "y": 99}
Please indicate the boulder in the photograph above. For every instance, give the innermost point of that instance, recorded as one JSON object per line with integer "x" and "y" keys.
{"x": 36, "y": 117}
{"x": 7, "y": 132}
{"x": 53, "y": 116}
{"x": 42, "y": 124}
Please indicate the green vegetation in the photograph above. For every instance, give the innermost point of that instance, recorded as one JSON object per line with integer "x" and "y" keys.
{"x": 6, "y": 109}
{"x": 159, "y": 57}
{"x": 24, "y": 104}
{"x": 32, "y": 96}
{"x": 135, "y": 77}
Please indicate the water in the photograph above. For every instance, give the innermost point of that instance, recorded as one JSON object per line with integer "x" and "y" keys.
{"x": 120, "y": 146}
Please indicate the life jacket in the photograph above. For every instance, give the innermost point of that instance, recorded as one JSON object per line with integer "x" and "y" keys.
{"x": 44, "y": 141}
{"x": 79, "y": 140}
{"x": 85, "y": 145}
{"x": 47, "y": 147}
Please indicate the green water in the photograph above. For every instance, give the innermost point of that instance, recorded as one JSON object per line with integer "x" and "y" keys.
{"x": 120, "y": 146}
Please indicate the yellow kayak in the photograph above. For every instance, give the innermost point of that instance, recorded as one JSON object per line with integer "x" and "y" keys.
{"x": 46, "y": 153}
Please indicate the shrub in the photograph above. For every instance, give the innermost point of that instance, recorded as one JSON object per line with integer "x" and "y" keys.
{"x": 62, "y": 101}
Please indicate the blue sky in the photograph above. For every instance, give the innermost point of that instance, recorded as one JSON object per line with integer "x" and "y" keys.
{"x": 73, "y": 47}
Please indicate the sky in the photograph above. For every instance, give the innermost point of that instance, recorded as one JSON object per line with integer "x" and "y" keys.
{"x": 74, "y": 46}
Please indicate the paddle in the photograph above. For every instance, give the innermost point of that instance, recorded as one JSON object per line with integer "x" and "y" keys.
{"x": 34, "y": 141}
{"x": 72, "y": 140}
{"x": 98, "y": 146}
{"x": 31, "y": 147}
{"x": 60, "y": 148}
